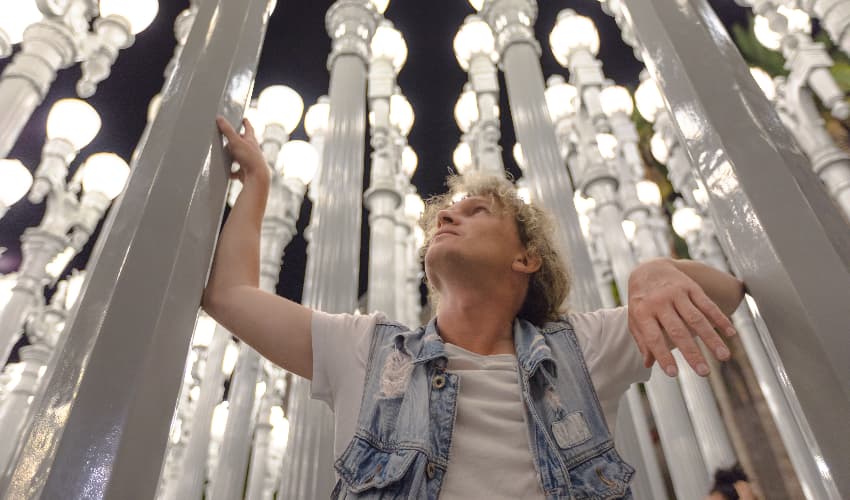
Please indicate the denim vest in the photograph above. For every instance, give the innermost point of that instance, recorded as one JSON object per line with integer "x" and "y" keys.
{"x": 404, "y": 431}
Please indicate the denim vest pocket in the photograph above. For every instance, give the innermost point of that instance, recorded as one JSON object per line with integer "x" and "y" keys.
{"x": 604, "y": 476}
{"x": 364, "y": 467}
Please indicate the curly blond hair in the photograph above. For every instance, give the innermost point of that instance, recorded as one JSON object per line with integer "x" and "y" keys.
{"x": 549, "y": 286}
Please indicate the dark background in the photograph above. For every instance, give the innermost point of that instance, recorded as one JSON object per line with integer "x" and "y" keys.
{"x": 295, "y": 54}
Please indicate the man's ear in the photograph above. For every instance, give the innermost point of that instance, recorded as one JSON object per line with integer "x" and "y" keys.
{"x": 527, "y": 262}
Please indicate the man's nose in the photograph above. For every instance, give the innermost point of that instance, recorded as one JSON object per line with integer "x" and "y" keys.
{"x": 444, "y": 216}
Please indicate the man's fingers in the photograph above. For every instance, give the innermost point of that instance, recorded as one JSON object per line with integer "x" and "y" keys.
{"x": 699, "y": 324}
{"x": 249, "y": 129}
{"x": 651, "y": 332}
{"x": 682, "y": 338}
{"x": 712, "y": 312}
{"x": 227, "y": 129}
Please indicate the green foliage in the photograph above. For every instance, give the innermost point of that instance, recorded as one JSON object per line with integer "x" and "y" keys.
{"x": 755, "y": 53}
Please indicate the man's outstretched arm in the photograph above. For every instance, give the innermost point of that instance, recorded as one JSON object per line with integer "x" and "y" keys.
{"x": 277, "y": 328}
{"x": 673, "y": 301}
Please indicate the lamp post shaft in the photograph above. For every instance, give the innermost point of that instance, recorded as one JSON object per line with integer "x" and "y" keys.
{"x": 128, "y": 340}
{"x": 800, "y": 292}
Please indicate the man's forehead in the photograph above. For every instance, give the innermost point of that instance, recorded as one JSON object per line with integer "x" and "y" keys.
{"x": 463, "y": 199}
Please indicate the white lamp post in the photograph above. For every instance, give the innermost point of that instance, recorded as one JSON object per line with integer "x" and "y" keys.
{"x": 390, "y": 116}
{"x": 475, "y": 50}
{"x": 115, "y": 29}
{"x": 575, "y": 43}
{"x": 17, "y": 180}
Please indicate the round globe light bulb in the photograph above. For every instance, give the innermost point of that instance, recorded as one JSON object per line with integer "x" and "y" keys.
{"x": 658, "y": 148}
{"x": 316, "y": 119}
{"x": 765, "y": 34}
{"x": 105, "y": 173}
{"x": 17, "y": 180}
{"x": 519, "y": 156}
{"x": 764, "y": 81}
{"x": 648, "y": 99}
{"x": 607, "y": 145}
{"x": 74, "y": 121}
{"x": 204, "y": 330}
{"x": 572, "y": 33}
{"x": 473, "y": 37}
{"x": 648, "y": 193}
{"x": 462, "y": 157}
{"x": 281, "y": 105}
{"x": 409, "y": 161}
{"x": 413, "y": 205}
{"x": 388, "y": 43}
{"x": 401, "y": 113}
{"x": 300, "y": 160}
{"x": 476, "y": 4}
{"x": 616, "y": 99}
{"x": 796, "y": 21}
{"x": 466, "y": 110}
{"x": 17, "y": 16}
{"x": 380, "y": 5}
{"x": 686, "y": 221}
{"x": 138, "y": 13}
{"x": 560, "y": 98}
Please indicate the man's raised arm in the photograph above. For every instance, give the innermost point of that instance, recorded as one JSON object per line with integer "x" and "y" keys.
{"x": 277, "y": 328}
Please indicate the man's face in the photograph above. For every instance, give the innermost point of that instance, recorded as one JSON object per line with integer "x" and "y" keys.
{"x": 474, "y": 238}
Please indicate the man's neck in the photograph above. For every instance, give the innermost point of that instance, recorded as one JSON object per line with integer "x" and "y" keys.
{"x": 478, "y": 322}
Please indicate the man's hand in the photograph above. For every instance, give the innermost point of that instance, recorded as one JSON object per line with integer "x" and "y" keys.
{"x": 245, "y": 151}
{"x": 668, "y": 308}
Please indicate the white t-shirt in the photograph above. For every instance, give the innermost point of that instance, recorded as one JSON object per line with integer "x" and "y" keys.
{"x": 489, "y": 401}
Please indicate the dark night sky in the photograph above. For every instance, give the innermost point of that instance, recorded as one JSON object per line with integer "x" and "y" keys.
{"x": 295, "y": 54}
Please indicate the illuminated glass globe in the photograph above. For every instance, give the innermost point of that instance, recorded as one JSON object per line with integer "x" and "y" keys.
{"x": 466, "y": 110}
{"x": 380, "y": 5}
{"x": 649, "y": 100}
{"x": 476, "y": 4}
{"x": 316, "y": 119}
{"x": 607, "y": 145}
{"x": 299, "y": 159}
{"x": 281, "y": 105}
{"x": 413, "y": 205}
{"x": 388, "y": 43}
{"x": 462, "y": 157}
{"x": 648, "y": 193}
{"x": 797, "y": 21}
{"x": 17, "y": 16}
{"x": 519, "y": 157}
{"x": 658, "y": 148}
{"x": 473, "y": 37}
{"x": 74, "y": 121}
{"x": 401, "y": 114}
{"x": 686, "y": 221}
{"x": 560, "y": 98}
{"x": 616, "y": 99}
{"x": 17, "y": 180}
{"x": 572, "y": 33}
{"x": 138, "y": 13}
{"x": 409, "y": 161}
{"x": 105, "y": 173}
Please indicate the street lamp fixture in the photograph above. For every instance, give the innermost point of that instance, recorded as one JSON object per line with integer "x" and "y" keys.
{"x": 104, "y": 174}
{"x": 473, "y": 38}
{"x": 388, "y": 44}
{"x": 462, "y": 157}
{"x": 571, "y": 34}
{"x": 648, "y": 193}
{"x": 466, "y": 110}
{"x": 280, "y": 105}
{"x": 409, "y": 161}
{"x": 771, "y": 29}
{"x": 298, "y": 160}
{"x": 401, "y": 114}
{"x": 649, "y": 100}
{"x": 608, "y": 146}
{"x": 560, "y": 98}
{"x": 686, "y": 221}
{"x": 17, "y": 180}
{"x": 616, "y": 99}
{"x": 316, "y": 118}
{"x": 658, "y": 148}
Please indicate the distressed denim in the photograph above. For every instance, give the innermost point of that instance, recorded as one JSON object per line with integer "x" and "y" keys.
{"x": 404, "y": 431}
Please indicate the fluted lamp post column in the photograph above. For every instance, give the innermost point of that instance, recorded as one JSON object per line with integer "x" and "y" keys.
{"x": 512, "y": 23}
{"x": 17, "y": 180}
{"x": 475, "y": 50}
{"x": 388, "y": 55}
{"x": 71, "y": 125}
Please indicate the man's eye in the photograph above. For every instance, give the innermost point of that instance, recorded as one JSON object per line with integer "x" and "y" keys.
{"x": 480, "y": 208}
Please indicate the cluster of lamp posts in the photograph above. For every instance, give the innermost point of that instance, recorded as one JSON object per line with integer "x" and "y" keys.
{"x": 595, "y": 137}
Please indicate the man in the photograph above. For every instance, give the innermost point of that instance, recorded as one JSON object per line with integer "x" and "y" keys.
{"x": 500, "y": 395}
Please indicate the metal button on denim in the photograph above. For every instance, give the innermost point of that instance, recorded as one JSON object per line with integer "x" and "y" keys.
{"x": 438, "y": 382}
{"x": 430, "y": 470}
